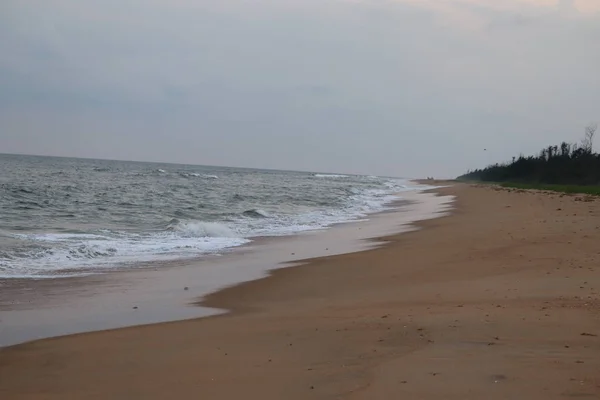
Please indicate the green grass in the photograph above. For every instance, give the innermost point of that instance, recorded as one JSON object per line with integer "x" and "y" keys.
{"x": 593, "y": 190}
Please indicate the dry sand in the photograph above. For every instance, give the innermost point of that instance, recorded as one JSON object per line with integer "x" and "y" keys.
{"x": 498, "y": 301}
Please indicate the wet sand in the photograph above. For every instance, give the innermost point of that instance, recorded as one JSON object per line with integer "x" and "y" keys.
{"x": 499, "y": 300}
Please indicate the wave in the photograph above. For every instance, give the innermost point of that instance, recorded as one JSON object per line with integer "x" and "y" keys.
{"x": 332, "y": 176}
{"x": 77, "y": 224}
{"x": 197, "y": 175}
{"x": 73, "y": 254}
{"x": 243, "y": 197}
{"x": 90, "y": 252}
{"x": 256, "y": 213}
{"x": 394, "y": 185}
{"x": 56, "y": 237}
{"x": 191, "y": 228}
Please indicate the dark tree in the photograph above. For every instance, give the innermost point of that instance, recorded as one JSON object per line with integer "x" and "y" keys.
{"x": 567, "y": 164}
{"x": 588, "y": 140}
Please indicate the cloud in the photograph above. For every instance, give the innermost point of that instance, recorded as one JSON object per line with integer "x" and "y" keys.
{"x": 360, "y": 86}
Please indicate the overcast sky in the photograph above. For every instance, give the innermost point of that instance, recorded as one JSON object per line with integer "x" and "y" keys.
{"x": 394, "y": 87}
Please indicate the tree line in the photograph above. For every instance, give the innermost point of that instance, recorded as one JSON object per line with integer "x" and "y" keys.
{"x": 565, "y": 164}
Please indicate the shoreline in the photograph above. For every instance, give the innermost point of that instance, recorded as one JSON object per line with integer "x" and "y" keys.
{"x": 141, "y": 296}
{"x": 498, "y": 300}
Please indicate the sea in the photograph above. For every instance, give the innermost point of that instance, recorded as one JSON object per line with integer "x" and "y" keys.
{"x": 65, "y": 217}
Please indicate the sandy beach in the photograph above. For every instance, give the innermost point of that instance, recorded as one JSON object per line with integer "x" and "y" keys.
{"x": 500, "y": 300}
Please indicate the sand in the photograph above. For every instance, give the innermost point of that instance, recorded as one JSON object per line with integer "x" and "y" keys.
{"x": 500, "y": 300}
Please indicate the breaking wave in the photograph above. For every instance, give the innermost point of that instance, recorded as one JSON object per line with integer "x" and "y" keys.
{"x": 332, "y": 176}
{"x": 256, "y": 213}
{"x": 197, "y": 175}
{"x": 201, "y": 229}
{"x": 102, "y": 215}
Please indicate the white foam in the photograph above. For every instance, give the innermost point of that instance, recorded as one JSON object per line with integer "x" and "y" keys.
{"x": 56, "y": 237}
{"x": 333, "y": 176}
{"x": 197, "y": 175}
{"x": 75, "y": 254}
{"x": 202, "y": 229}
{"x": 257, "y": 212}
{"x": 357, "y": 206}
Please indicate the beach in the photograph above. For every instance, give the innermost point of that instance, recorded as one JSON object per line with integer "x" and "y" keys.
{"x": 162, "y": 292}
{"x": 498, "y": 300}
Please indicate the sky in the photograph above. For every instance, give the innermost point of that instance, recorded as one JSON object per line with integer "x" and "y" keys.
{"x": 408, "y": 88}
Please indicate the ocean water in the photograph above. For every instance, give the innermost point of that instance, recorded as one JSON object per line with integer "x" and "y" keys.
{"x": 64, "y": 217}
